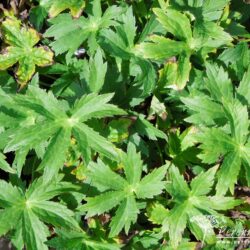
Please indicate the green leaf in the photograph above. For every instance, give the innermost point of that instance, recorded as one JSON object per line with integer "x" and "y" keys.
{"x": 70, "y": 33}
{"x": 31, "y": 136}
{"x": 37, "y": 16}
{"x": 102, "y": 203}
{"x": 145, "y": 128}
{"x": 202, "y": 110}
{"x": 21, "y": 50}
{"x": 95, "y": 106}
{"x": 41, "y": 191}
{"x": 95, "y": 141}
{"x": 54, "y": 121}
{"x": 211, "y": 137}
{"x": 175, "y": 23}
{"x": 98, "y": 71}
{"x": 112, "y": 42}
{"x": 191, "y": 207}
{"x": 121, "y": 42}
{"x": 9, "y": 218}
{"x": 246, "y": 161}
{"x": 122, "y": 191}
{"x": 223, "y": 203}
{"x": 209, "y": 35}
{"x": 218, "y": 83}
{"x": 178, "y": 186}
{"x": 175, "y": 75}
{"x": 34, "y": 231}
{"x": 10, "y": 195}
{"x": 229, "y": 128}
{"x": 160, "y": 47}
{"x": 132, "y": 165}
{"x": 104, "y": 178}
{"x": 27, "y": 210}
{"x": 146, "y": 76}
{"x": 42, "y": 102}
{"x": 56, "y": 214}
{"x": 177, "y": 221}
{"x": 201, "y": 227}
{"x": 202, "y": 184}
{"x": 58, "y": 146}
{"x": 213, "y": 10}
{"x": 227, "y": 175}
{"x": 129, "y": 27}
{"x": 237, "y": 115}
{"x": 125, "y": 215}
{"x": 157, "y": 213}
{"x": 118, "y": 130}
{"x": 19, "y": 160}
{"x": 152, "y": 184}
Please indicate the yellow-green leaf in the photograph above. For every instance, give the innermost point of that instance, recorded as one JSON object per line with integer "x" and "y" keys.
{"x": 57, "y": 6}
{"x": 20, "y": 49}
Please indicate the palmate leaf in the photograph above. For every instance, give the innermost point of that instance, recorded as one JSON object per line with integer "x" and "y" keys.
{"x": 21, "y": 41}
{"x": 232, "y": 152}
{"x": 27, "y": 211}
{"x": 70, "y": 33}
{"x": 71, "y": 77}
{"x": 230, "y": 134}
{"x": 192, "y": 204}
{"x": 122, "y": 191}
{"x": 57, "y": 123}
{"x": 57, "y": 6}
{"x": 121, "y": 45}
{"x": 203, "y": 39}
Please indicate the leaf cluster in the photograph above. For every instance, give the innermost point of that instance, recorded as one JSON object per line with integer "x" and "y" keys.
{"x": 124, "y": 124}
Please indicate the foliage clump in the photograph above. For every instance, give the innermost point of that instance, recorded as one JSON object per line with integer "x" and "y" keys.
{"x": 125, "y": 124}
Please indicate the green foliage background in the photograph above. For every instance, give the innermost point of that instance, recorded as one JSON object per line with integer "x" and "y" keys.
{"x": 125, "y": 124}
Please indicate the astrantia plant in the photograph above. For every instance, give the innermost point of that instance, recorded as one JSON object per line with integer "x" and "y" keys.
{"x": 124, "y": 124}
{"x": 123, "y": 192}
{"x": 57, "y": 122}
{"x": 26, "y": 211}
{"x": 203, "y": 38}
{"x": 225, "y": 126}
{"x": 192, "y": 205}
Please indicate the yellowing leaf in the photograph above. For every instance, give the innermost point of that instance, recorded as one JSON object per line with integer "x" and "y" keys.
{"x": 57, "y": 6}
{"x": 20, "y": 49}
